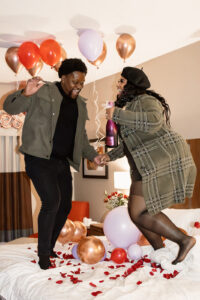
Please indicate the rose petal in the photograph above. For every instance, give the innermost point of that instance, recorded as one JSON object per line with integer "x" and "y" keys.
{"x": 92, "y": 284}
{"x": 96, "y": 293}
{"x": 106, "y": 273}
{"x": 197, "y": 224}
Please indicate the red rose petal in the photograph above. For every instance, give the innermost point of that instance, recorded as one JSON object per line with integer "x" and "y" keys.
{"x": 114, "y": 277}
{"x": 59, "y": 281}
{"x": 175, "y": 273}
{"x": 197, "y": 224}
{"x": 107, "y": 259}
{"x": 78, "y": 271}
{"x": 92, "y": 284}
{"x": 106, "y": 273}
{"x": 96, "y": 293}
{"x": 63, "y": 275}
{"x": 68, "y": 256}
{"x": 151, "y": 273}
{"x": 147, "y": 260}
{"x": 33, "y": 261}
{"x": 138, "y": 282}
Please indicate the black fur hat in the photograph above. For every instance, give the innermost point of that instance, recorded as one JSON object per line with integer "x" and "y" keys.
{"x": 136, "y": 77}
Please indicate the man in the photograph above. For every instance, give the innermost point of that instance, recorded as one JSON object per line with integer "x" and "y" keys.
{"x": 53, "y": 138}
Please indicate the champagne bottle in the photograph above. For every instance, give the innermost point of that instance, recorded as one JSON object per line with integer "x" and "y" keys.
{"x": 111, "y": 131}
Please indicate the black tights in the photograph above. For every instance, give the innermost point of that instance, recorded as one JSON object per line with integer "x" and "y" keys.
{"x": 153, "y": 227}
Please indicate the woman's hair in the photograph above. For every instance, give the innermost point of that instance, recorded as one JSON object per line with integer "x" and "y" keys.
{"x": 130, "y": 92}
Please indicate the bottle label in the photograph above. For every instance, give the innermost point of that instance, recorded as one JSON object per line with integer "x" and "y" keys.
{"x": 110, "y": 141}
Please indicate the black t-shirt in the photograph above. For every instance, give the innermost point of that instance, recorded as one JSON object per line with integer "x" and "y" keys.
{"x": 63, "y": 140}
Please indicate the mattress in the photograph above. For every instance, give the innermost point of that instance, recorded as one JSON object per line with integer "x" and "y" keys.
{"x": 152, "y": 277}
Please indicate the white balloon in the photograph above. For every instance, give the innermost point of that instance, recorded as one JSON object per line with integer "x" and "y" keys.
{"x": 119, "y": 229}
{"x": 134, "y": 251}
{"x": 90, "y": 44}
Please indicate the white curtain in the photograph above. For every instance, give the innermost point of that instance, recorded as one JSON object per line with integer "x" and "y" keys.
{"x": 10, "y": 158}
{"x": 15, "y": 193}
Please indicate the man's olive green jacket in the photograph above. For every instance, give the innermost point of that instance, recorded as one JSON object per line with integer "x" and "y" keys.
{"x": 42, "y": 111}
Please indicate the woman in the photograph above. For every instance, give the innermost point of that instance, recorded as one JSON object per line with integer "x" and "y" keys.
{"x": 162, "y": 169}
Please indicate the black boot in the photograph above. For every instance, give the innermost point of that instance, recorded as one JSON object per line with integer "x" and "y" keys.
{"x": 44, "y": 262}
{"x": 53, "y": 254}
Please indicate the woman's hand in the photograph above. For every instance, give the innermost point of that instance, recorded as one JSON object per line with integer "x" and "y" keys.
{"x": 33, "y": 85}
{"x": 102, "y": 159}
{"x": 109, "y": 113}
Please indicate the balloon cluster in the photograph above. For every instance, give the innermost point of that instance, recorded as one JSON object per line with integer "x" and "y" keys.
{"x": 32, "y": 57}
{"x": 89, "y": 249}
{"x": 122, "y": 234}
{"x": 90, "y": 44}
{"x": 72, "y": 232}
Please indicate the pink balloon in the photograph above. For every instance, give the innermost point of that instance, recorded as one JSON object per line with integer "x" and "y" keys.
{"x": 90, "y": 44}
{"x": 119, "y": 229}
{"x": 134, "y": 251}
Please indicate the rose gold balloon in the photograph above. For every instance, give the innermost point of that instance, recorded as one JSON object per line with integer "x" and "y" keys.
{"x": 66, "y": 232}
{"x": 12, "y": 59}
{"x": 90, "y": 250}
{"x": 101, "y": 58}
{"x": 36, "y": 69}
{"x": 63, "y": 56}
{"x": 125, "y": 45}
{"x": 80, "y": 231}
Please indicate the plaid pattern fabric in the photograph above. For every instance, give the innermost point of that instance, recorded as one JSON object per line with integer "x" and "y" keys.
{"x": 162, "y": 156}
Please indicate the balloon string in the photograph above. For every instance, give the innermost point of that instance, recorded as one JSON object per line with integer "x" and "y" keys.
{"x": 17, "y": 83}
{"x": 99, "y": 135}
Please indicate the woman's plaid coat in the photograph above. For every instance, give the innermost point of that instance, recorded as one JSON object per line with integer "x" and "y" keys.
{"x": 162, "y": 156}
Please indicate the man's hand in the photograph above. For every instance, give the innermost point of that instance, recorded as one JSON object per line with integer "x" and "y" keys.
{"x": 33, "y": 85}
{"x": 102, "y": 159}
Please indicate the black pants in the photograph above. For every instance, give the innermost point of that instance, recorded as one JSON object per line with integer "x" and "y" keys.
{"x": 53, "y": 182}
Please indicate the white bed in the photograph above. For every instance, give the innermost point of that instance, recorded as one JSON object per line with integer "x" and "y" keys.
{"x": 22, "y": 279}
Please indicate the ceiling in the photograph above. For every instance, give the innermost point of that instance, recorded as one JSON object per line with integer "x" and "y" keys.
{"x": 158, "y": 26}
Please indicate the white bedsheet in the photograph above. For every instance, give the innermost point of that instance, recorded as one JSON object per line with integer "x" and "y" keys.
{"x": 22, "y": 279}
